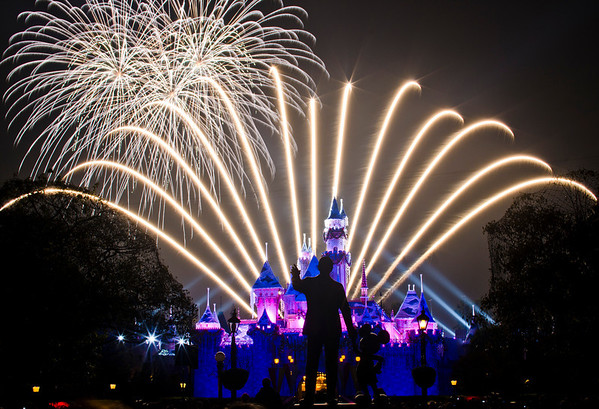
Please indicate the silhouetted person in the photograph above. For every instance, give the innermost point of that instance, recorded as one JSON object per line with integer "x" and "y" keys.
{"x": 322, "y": 327}
{"x": 268, "y": 397}
{"x": 367, "y": 369}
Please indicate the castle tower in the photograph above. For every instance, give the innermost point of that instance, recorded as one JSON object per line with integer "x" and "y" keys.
{"x": 268, "y": 292}
{"x": 335, "y": 238}
{"x": 423, "y": 308}
{"x": 208, "y": 321}
{"x": 294, "y": 307}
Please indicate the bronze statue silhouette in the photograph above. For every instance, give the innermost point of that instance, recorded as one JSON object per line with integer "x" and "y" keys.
{"x": 325, "y": 297}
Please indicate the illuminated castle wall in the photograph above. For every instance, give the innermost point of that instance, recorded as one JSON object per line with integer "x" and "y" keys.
{"x": 272, "y": 345}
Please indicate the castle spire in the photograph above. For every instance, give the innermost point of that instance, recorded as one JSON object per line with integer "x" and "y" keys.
{"x": 364, "y": 291}
{"x": 334, "y": 212}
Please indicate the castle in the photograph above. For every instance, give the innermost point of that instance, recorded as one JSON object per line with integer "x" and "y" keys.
{"x": 272, "y": 344}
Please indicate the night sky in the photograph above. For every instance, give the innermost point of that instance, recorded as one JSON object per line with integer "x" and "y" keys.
{"x": 527, "y": 64}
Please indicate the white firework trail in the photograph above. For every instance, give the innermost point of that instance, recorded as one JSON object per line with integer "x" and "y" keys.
{"x": 143, "y": 222}
{"x": 83, "y": 71}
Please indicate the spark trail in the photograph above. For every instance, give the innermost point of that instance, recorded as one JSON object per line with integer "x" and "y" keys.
{"x": 448, "y": 147}
{"x": 463, "y": 188}
{"x": 474, "y": 212}
{"x": 373, "y": 157}
{"x": 180, "y": 210}
{"x": 288, "y": 157}
{"x": 206, "y": 194}
{"x": 341, "y": 139}
{"x": 417, "y": 139}
{"x": 157, "y": 231}
{"x": 314, "y": 191}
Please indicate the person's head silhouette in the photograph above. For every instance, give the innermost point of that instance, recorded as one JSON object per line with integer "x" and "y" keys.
{"x": 325, "y": 265}
{"x": 266, "y": 382}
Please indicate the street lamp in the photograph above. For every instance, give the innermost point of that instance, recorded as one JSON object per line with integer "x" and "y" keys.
{"x": 234, "y": 378}
{"x": 422, "y": 321}
{"x": 424, "y": 376}
{"x": 220, "y": 364}
{"x": 234, "y": 321}
{"x": 422, "y": 324}
{"x": 454, "y": 383}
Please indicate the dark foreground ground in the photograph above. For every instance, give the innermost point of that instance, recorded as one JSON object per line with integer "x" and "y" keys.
{"x": 434, "y": 402}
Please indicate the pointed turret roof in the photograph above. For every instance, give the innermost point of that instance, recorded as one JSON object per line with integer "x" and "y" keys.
{"x": 366, "y": 318}
{"x": 292, "y": 291}
{"x": 305, "y": 247}
{"x": 334, "y": 211}
{"x": 208, "y": 316}
{"x": 379, "y": 311}
{"x": 410, "y": 305}
{"x": 422, "y": 306}
{"x": 312, "y": 270}
{"x": 264, "y": 319}
{"x": 267, "y": 278}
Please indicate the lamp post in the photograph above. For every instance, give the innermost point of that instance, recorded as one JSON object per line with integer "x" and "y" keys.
{"x": 422, "y": 324}
{"x": 234, "y": 324}
{"x": 234, "y": 378}
{"x": 219, "y": 357}
{"x": 424, "y": 375}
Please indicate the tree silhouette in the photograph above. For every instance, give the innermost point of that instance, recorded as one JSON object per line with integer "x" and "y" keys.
{"x": 75, "y": 273}
{"x": 544, "y": 275}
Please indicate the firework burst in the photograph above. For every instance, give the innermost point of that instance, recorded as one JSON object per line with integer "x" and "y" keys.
{"x": 84, "y": 71}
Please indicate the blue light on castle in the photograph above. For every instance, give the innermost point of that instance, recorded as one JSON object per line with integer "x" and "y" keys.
{"x": 272, "y": 345}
